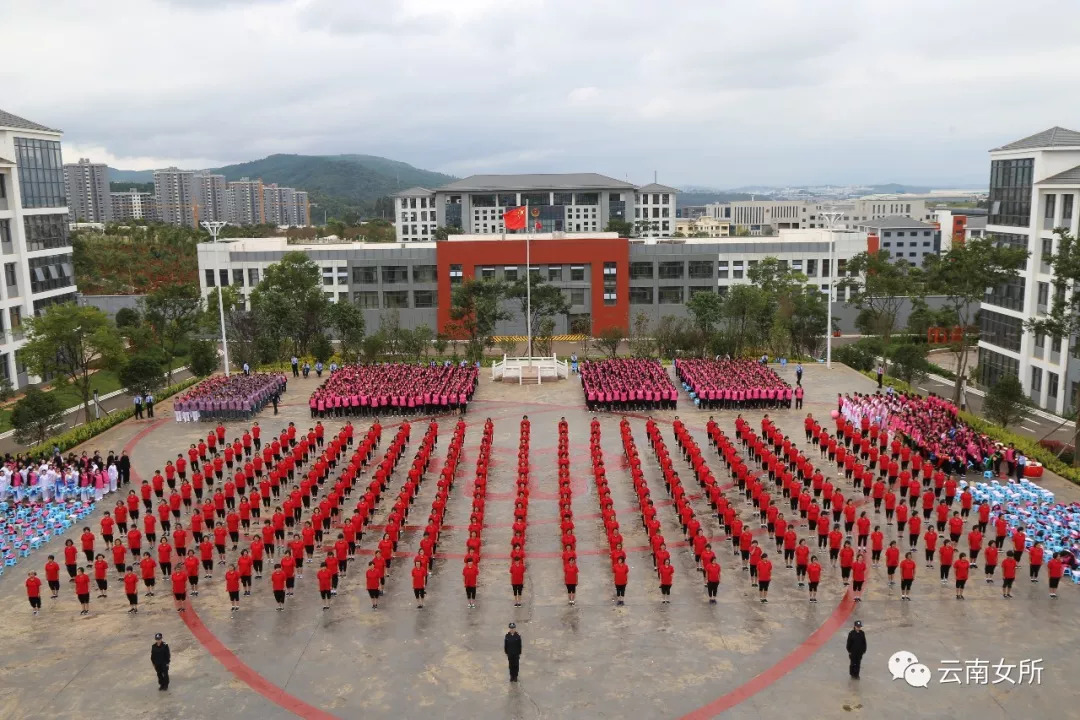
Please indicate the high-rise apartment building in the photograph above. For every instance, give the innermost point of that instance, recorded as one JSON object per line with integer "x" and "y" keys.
{"x": 87, "y": 187}
{"x": 279, "y": 205}
{"x": 245, "y": 202}
{"x": 35, "y": 250}
{"x": 176, "y": 197}
{"x": 1034, "y": 189}
{"x": 133, "y": 205}
{"x": 303, "y": 209}
{"x": 211, "y": 196}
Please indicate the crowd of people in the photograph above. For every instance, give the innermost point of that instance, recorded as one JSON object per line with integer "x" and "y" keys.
{"x": 236, "y": 397}
{"x": 736, "y": 384}
{"x": 930, "y": 425}
{"x": 86, "y": 477}
{"x": 627, "y": 384}
{"x": 395, "y": 388}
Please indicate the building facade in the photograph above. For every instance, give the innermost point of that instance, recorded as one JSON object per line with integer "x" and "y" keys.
{"x": 176, "y": 197}
{"x": 702, "y": 226}
{"x": 87, "y": 187}
{"x": 570, "y": 203}
{"x": 245, "y": 202}
{"x": 35, "y": 249}
{"x": 607, "y": 280}
{"x": 210, "y": 196}
{"x": 904, "y": 238}
{"x": 1034, "y": 188}
{"x": 766, "y": 217}
{"x": 133, "y": 205}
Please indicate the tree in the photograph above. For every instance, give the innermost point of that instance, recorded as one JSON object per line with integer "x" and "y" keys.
{"x": 128, "y": 317}
{"x": 962, "y": 276}
{"x": 143, "y": 372}
{"x": 543, "y": 336}
{"x": 581, "y": 326}
{"x": 546, "y": 302}
{"x": 673, "y": 335}
{"x": 746, "y": 309}
{"x": 879, "y": 287}
{"x": 922, "y": 318}
{"x": 204, "y": 359}
{"x": 68, "y": 341}
{"x": 608, "y": 340}
{"x": 909, "y": 362}
{"x": 372, "y": 347}
{"x": 642, "y": 344}
{"x": 1063, "y": 320}
{"x": 173, "y": 312}
{"x": 624, "y": 228}
{"x": 707, "y": 310}
{"x": 1005, "y": 401}
{"x": 290, "y": 295}
{"x": 347, "y": 322}
{"x": 475, "y": 309}
{"x": 241, "y": 326}
{"x": 35, "y": 415}
{"x": 444, "y": 231}
{"x": 321, "y": 348}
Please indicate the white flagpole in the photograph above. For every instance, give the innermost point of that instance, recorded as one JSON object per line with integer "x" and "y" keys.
{"x": 528, "y": 283}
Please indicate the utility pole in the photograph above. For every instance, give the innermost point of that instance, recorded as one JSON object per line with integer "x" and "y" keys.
{"x": 831, "y": 216}
{"x": 214, "y": 227}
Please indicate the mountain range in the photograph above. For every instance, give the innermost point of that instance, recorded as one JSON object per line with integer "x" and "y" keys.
{"x": 346, "y": 187}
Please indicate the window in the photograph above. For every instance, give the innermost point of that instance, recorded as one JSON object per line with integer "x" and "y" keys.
{"x": 455, "y": 274}
{"x": 641, "y": 271}
{"x": 50, "y": 273}
{"x": 736, "y": 269}
{"x": 396, "y": 299}
{"x": 327, "y": 276}
{"x": 1047, "y": 250}
{"x": 563, "y": 198}
{"x": 238, "y": 277}
{"x": 840, "y": 265}
{"x": 1048, "y": 211}
{"x": 424, "y": 298}
{"x": 393, "y": 274}
{"x": 343, "y": 297}
{"x": 722, "y": 269}
{"x": 1040, "y": 340}
{"x": 1009, "y": 294}
{"x": 695, "y": 289}
{"x": 671, "y": 295}
{"x": 209, "y": 278}
{"x": 671, "y": 270}
{"x": 1066, "y": 207}
{"x": 1002, "y": 330}
{"x": 1055, "y": 345}
{"x": 825, "y": 269}
{"x": 11, "y": 277}
{"x": 508, "y": 200}
{"x": 424, "y": 273}
{"x": 554, "y": 273}
{"x": 586, "y": 198}
{"x": 641, "y": 296}
{"x": 577, "y": 273}
{"x": 1036, "y": 379}
{"x": 534, "y": 274}
{"x": 343, "y": 276}
{"x": 5, "y": 232}
{"x": 609, "y": 296}
{"x": 993, "y": 365}
{"x": 365, "y": 275}
{"x": 510, "y": 273}
{"x": 41, "y": 173}
{"x": 1010, "y": 192}
{"x": 487, "y": 273}
{"x": 46, "y": 232}
{"x": 577, "y": 296}
{"x": 366, "y": 299}
{"x": 1044, "y": 295}
{"x": 811, "y": 268}
{"x": 16, "y": 321}
{"x": 253, "y": 276}
{"x": 701, "y": 269}
{"x": 223, "y": 278}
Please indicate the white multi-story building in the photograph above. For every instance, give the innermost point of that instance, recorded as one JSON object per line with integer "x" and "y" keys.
{"x": 765, "y": 217}
{"x": 1034, "y": 188}
{"x": 87, "y": 187}
{"x": 35, "y": 250}
{"x": 572, "y": 203}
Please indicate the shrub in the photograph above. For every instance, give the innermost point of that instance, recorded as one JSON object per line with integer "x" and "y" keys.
{"x": 204, "y": 359}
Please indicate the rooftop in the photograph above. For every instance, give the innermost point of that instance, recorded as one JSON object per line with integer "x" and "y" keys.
{"x": 8, "y": 120}
{"x": 415, "y": 192}
{"x": 895, "y": 221}
{"x": 657, "y": 187}
{"x": 1054, "y": 137}
{"x": 561, "y": 181}
{"x": 1067, "y": 177}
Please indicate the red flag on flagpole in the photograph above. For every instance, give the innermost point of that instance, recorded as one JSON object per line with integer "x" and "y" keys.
{"x": 514, "y": 218}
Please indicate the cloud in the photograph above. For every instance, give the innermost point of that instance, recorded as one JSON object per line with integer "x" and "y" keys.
{"x": 705, "y": 92}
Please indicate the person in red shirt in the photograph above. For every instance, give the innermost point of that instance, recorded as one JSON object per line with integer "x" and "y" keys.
{"x": 101, "y": 574}
{"x": 667, "y": 574}
{"x": 764, "y": 576}
{"x": 325, "y": 580}
{"x": 131, "y": 589}
{"x": 813, "y": 577}
{"x": 621, "y": 572}
{"x": 990, "y": 562}
{"x": 206, "y": 554}
{"x": 517, "y": 580}
{"x": 87, "y": 540}
{"x": 119, "y": 552}
{"x": 82, "y": 590}
{"x": 33, "y": 591}
{"x": 288, "y": 565}
{"x": 712, "y": 579}
{"x": 244, "y": 565}
{"x": 1055, "y": 569}
{"x": 907, "y": 576}
{"x": 52, "y": 576}
{"x": 191, "y": 567}
{"x": 847, "y": 557}
{"x": 1008, "y": 574}
{"x": 570, "y": 578}
{"x": 419, "y": 582}
{"x": 802, "y": 559}
{"x": 232, "y": 586}
{"x": 277, "y": 583}
{"x": 930, "y": 538}
{"x": 877, "y": 545}
{"x": 1035, "y": 561}
{"x": 892, "y": 561}
{"x": 858, "y": 576}
{"x": 147, "y": 567}
{"x": 962, "y": 567}
{"x": 374, "y": 584}
{"x": 107, "y": 526}
{"x": 946, "y": 555}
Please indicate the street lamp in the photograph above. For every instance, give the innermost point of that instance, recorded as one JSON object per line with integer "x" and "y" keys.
{"x": 831, "y": 217}
{"x": 214, "y": 227}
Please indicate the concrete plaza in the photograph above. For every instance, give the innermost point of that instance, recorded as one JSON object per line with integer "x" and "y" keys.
{"x": 737, "y": 659}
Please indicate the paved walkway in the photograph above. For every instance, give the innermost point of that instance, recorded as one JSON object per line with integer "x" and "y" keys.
{"x": 645, "y": 660}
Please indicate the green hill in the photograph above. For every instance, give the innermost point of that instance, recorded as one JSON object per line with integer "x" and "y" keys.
{"x": 347, "y": 187}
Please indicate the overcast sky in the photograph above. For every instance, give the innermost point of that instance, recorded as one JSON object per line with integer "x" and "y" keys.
{"x": 705, "y": 92}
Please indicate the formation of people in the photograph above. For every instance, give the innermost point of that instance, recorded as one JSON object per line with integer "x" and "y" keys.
{"x": 87, "y": 477}
{"x": 236, "y": 397}
{"x": 395, "y": 388}
{"x": 627, "y": 384}
{"x": 737, "y": 384}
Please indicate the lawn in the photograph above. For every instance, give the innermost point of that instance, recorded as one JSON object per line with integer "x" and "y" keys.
{"x": 104, "y": 381}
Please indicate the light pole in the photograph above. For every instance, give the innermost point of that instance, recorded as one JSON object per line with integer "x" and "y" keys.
{"x": 831, "y": 216}
{"x": 214, "y": 227}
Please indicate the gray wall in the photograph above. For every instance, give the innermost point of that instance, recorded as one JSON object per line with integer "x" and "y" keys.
{"x": 110, "y": 304}
{"x": 844, "y": 314}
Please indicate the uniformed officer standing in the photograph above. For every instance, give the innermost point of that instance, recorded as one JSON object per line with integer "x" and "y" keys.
{"x": 159, "y": 658}
{"x": 512, "y": 648}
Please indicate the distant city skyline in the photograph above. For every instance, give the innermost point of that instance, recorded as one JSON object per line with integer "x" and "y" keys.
{"x": 701, "y": 93}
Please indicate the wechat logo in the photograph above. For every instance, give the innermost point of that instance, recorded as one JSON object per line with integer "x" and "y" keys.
{"x": 905, "y": 665}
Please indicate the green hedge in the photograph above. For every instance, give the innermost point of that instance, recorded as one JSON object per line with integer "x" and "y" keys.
{"x": 1026, "y": 445}
{"x": 77, "y": 436}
